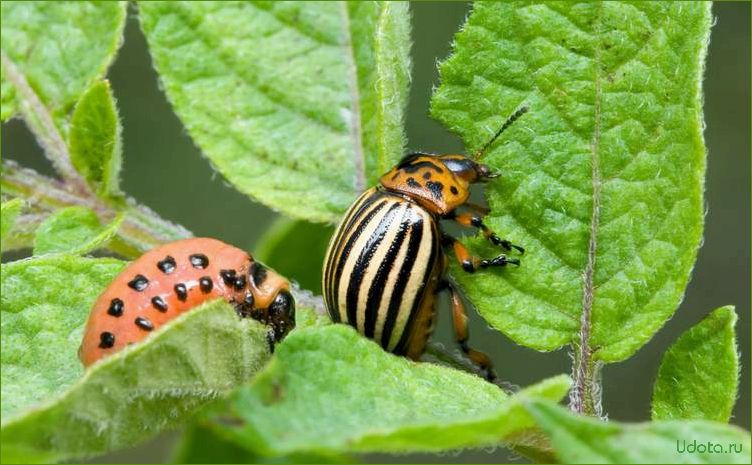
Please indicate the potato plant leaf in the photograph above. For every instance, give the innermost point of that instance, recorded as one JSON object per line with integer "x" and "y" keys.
{"x": 296, "y": 249}
{"x": 201, "y": 444}
{"x": 578, "y": 439}
{"x": 52, "y": 410}
{"x": 10, "y": 211}
{"x": 74, "y": 230}
{"x": 330, "y": 390}
{"x": 602, "y": 179}
{"x": 56, "y": 50}
{"x": 298, "y": 104}
{"x": 45, "y": 302}
{"x": 699, "y": 374}
{"x": 95, "y": 144}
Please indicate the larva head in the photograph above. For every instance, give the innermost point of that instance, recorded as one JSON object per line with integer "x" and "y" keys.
{"x": 174, "y": 278}
{"x": 274, "y": 304}
{"x": 440, "y": 183}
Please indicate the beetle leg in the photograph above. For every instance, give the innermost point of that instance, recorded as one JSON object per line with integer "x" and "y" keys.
{"x": 459, "y": 318}
{"x": 469, "y": 219}
{"x": 470, "y": 263}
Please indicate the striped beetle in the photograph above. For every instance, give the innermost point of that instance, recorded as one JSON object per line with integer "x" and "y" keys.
{"x": 385, "y": 263}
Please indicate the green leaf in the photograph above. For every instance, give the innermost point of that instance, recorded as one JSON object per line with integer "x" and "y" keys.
{"x": 74, "y": 230}
{"x": 328, "y": 389}
{"x": 201, "y": 444}
{"x": 7, "y": 97}
{"x": 699, "y": 374}
{"x": 45, "y": 303}
{"x": 578, "y": 439}
{"x": 52, "y": 413}
{"x": 602, "y": 179}
{"x": 58, "y": 49}
{"x": 296, "y": 249}
{"x": 142, "y": 229}
{"x": 298, "y": 104}
{"x": 95, "y": 142}
{"x": 10, "y": 211}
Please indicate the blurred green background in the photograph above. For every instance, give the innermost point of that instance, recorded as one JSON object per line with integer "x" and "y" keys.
{"x": 165, "y": 171}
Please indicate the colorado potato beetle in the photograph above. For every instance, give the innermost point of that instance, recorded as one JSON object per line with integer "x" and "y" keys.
{"x": 385, "y": 263}
{"x": 176, "y": 277}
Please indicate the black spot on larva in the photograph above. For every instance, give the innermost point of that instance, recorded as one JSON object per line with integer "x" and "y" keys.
{"x": 206, "y": 284}
{"x": 454, "y": 190}
{"x": 436, "y": 189}
{"x": 144, "y": 323}
{"x": 248, "y": 299}
{"x": 106, "y": 340}
{"x": 159, "y": 303}
{"x": 116, "y": 307}
{"x": 199, "y": 260}
{"x": 138, "y": 283}
{"x": 166, "y": 265}
{"x": 427, "y": 175}
{"x": 413, "y": 183}
{"x": 181, "y": 291}
{"x": 228, "y": 276}
{"x": 240, "y": 282}
{"x": 258, "y": 273}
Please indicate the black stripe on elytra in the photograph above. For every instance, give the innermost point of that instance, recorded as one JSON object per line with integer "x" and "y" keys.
{"x": 355, "y": 212}
{"x": 345, "y": 252}
{"x": 401, "y": 346}
{"x": 364, "y": 261}
{"x": 413, "y": 246}
{"x": 376, "y": 289}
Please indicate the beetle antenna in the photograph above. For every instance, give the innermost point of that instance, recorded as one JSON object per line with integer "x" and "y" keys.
{"x": 503, "y": 127}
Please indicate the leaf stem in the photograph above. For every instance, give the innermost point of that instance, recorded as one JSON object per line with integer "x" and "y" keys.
{"x": 585, "y": 396}
{"x": 40, "y": 121}
{"x": 141, "y": 230}
{"x": 355, "y": 117}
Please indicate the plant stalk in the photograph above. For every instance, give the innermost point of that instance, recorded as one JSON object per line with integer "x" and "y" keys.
{"x": 141, "y": 230}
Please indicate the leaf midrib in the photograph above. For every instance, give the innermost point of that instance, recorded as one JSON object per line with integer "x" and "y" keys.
{"x": 32, "y": 108}
{"x": 355, "y": 128}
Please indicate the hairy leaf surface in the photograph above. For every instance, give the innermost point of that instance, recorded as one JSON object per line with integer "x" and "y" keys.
{"x": 699, "y": 374}
{"x": 201, "y": 444}
{"x": 74, "y": 230}
{"x": 10, "y": 211}
{"x": 95, "y": 144}
{"x": 53, "y": 410}
{"x": 45, "y": 303}
{"x": 369, "y": 400}
{"x": 578, "y": 439}
{"x": 601, "y": 180}
{"x": 298, "y": 104}
{"x": 58, "y": 49}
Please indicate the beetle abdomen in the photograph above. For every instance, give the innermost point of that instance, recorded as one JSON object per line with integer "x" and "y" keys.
{"x": 379, "y": 262}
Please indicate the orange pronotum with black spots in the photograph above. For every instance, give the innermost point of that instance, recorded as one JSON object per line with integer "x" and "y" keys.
{"x": 386, "y": 263}
{"x": 176, "y": 277}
